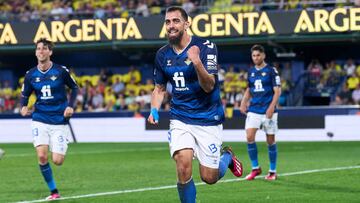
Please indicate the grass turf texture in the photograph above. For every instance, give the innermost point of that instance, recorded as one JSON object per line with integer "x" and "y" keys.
{"x": 98, "y": 168}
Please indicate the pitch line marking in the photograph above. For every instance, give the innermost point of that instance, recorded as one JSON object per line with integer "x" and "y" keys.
{"x": 201, "y": 183}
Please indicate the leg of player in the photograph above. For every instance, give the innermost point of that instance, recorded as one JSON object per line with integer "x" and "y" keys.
{"x": 253, "y": 153}
{"x": 210, "y": 175}
{"x": 58, "y": 159}
{"x": 227, "y": 160}
{"x": 2, "y": 153}
{"x": 186, "y": 186}
{"x": 272, "y": 149}
{"x": 42, "y": 153}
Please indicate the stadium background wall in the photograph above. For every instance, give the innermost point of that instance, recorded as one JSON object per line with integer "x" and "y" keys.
{"x": 296, "y": 124}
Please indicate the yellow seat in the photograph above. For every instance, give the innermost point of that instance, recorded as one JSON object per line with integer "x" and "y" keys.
{"x": 155, "y": 10}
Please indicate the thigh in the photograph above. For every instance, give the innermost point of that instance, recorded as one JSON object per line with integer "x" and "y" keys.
{"x": 40, "y": 133}
{"x": 59, "y": 139}
{"x": 179, "y": 137}
{"x": 208, "y": 144}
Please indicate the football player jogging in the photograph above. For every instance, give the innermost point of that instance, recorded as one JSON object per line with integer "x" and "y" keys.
{"x": 52, "y": 110}
{"x": 263, "y": 92}
{"x": 196, "y": 114}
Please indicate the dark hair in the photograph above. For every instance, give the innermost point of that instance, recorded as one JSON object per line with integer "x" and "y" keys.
{"x": 46, "y": 42}
{"x": 258, "y": 48}
{"x": 177, "y": 8}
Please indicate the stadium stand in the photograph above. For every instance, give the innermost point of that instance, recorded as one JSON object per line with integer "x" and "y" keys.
{"x": 28, "y": 10}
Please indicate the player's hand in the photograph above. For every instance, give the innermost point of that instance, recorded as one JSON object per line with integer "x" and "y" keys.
{"x": 154, "y": 116}
{"x": 243, "y": 109}
{"x": 270, "y": 112}
{"x": 68, "y": 112}
{"x": 25, "y": 111}
{"x": 193, "y": 54}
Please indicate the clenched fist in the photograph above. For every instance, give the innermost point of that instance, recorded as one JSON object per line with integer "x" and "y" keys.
{"x": 68, "y": 112}
{"x": 193, "y": 54}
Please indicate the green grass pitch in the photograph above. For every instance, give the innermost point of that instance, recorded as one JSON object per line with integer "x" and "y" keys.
{"x": 139, "y": 172}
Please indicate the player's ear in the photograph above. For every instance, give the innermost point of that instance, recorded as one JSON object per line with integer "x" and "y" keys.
{"x": 50, "y": 53}
{"x": 187, "y": 25}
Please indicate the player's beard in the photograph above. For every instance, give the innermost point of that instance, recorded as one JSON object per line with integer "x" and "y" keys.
{"x": 176, "y": 39}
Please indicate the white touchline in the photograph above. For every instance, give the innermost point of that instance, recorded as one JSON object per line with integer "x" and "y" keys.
{"x": 201, "y": 183}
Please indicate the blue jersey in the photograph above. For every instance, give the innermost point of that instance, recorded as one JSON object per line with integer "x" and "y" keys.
{"x": 261, "y": 83}
{"x": 190, "y": 103}
{"x": 50, "y": 91}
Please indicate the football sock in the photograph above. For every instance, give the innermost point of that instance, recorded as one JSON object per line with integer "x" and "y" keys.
{"x": 272, "y": 156}
{"x": 47, "y": 174}
{"x": 187, "y": 191}
{"x": 225, "y": 161}
{"x": 253, "y": 154}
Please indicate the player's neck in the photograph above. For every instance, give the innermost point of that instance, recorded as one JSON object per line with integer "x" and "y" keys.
{"x": 185, "y": 41}
{"x": 262, "y": 65}
{"x": 44, "y": 66}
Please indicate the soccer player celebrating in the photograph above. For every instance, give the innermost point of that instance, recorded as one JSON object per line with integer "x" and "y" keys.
{"x": 52, "y": 110}
{"x": 189, "y": 63}
{"x": 264, "y": 91}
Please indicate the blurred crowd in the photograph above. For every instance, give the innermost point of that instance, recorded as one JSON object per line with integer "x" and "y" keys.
{"x": 109, "y": 92}
{"x": 34, "y": 10}
{"x": 342, "y": 81}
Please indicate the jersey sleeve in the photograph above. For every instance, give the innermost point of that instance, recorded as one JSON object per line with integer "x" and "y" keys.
{"x": 70, "y": 82}
{"x": 209, "y": 57}
{"x": 159, "y": 76}
{"x": 275, "y": 79}
{"x": 26, "y": 90}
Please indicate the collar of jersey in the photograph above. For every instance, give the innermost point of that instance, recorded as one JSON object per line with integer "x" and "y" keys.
{"x": 44, "y": 72}
{"x": 257, "y": 69}
{"x": 184, "y": 48}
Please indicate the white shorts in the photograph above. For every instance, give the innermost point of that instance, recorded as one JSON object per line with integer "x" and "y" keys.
{"x": 254, "y": 120}
{"x": 55, "y": 136}
{"x": 206, "y": 141}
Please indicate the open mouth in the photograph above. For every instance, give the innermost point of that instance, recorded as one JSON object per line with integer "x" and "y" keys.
{"x": 172, "y": 32}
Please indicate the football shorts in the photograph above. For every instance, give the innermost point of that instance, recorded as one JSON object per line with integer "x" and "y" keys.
{"x": 206, "y": 141}
{"x": 55, "y": 136}
{"x": 259, "y": 121}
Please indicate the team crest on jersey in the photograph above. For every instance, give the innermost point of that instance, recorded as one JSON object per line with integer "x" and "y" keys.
{"x": 263, "y": 74}
{"x": 53, "y": 78}
{"x": 252, "y": 75}
{"x": 187, "y": 61}
{"x": 37, "y": 79}
{"x": 168, "y": 62}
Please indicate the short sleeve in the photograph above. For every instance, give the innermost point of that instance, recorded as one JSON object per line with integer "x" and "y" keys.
{"x": 159, "y": 76}
{"x": 275, "y": 78}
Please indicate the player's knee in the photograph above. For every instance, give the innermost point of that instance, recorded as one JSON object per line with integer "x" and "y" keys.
{"x": 58, "y": 161}
{"x": 184, "y": 172}
{"x": 208, "y": 179}
{"x": 43, "y": 159}
{"x": 250, "y": 138}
